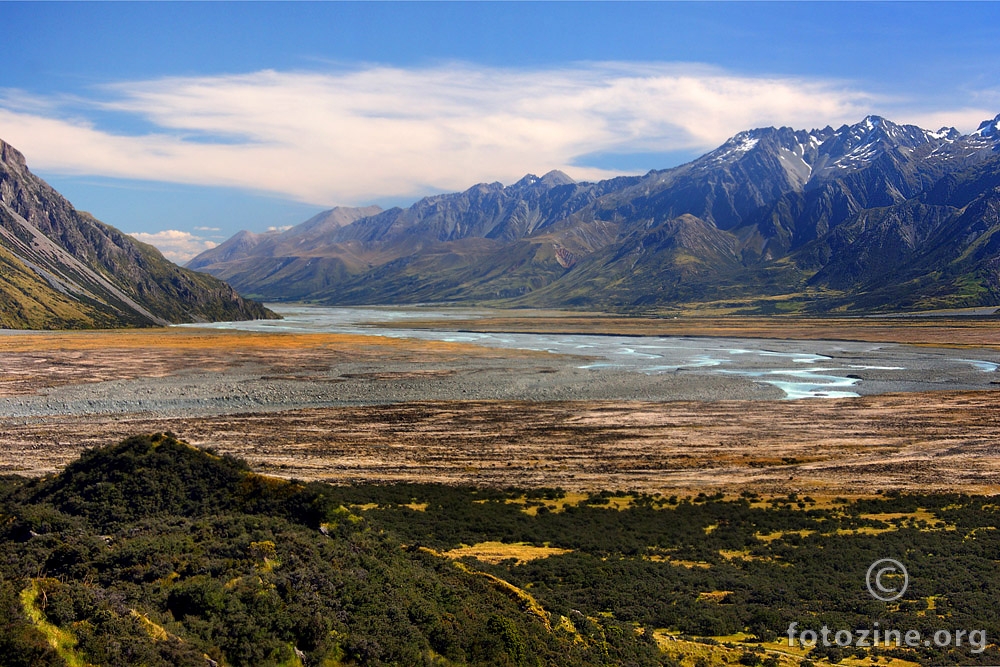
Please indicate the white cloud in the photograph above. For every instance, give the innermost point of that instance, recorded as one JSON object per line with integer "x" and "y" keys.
{"x": 282, "y": 228}
{"x": 177, "y": 246}
{"x": 349, "y": 137}
{"x": 964, "y": 119}
{"x": 207, "y": 229}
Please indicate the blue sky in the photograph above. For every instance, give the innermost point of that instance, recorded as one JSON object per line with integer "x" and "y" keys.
{"x": 185, "y": 122}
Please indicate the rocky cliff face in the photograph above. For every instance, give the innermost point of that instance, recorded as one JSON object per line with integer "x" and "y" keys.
{"x": 62, "y": 268}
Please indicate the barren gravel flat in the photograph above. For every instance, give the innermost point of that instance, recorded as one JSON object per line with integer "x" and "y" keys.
{"x": 921, "y": 442}
{"x": 352, "y": 407}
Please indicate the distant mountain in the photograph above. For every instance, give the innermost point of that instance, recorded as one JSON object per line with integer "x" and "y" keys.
{"x": 871, "y": 216}
{"x": 62, "y": 268}
{"x": 302, "y": 258}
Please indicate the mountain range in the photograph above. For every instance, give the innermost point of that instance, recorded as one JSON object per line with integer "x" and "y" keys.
{"x": 62, "y": 269}
{"x": 873, "y": 216}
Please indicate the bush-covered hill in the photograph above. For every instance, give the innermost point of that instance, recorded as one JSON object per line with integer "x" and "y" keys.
{"x": 153, "y": 552}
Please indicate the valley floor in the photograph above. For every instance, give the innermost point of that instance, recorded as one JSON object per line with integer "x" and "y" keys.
{"x": 353, "y": 408}
{"x": 940, "y": 441}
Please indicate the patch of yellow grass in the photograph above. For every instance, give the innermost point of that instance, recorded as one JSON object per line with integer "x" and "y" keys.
{"x": 497, "y": 552}
{"x": 415, "y": 506}
{"x": 713, "y": 596}
{"x": 734, "y": 638}
{"x": 931, "y": 606}
{"x": 777, "y": 535}
{"x": 731, "y": 647}
{"x": 690, "y": 653}
{"x": 865, "y": 530}
{"x": 689, "y": 564}
{"x": 61, "y": 640}
{"x": 155, "y": 631}
{"x": 558, "y": 505}
{"x": 744, "y": 554}
{"x": 920, "y": 514}
{"x": 897, "y": 520}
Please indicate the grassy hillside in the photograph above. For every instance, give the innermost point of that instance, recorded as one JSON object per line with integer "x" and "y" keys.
{"x": 28, "y": 302}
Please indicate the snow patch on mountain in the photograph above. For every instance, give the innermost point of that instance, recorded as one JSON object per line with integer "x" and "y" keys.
{"x": 989, "y": 129}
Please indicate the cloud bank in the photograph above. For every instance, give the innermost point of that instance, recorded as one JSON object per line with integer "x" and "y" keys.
{"x": 177, "y": 246}
{"x": 354, "y": 136}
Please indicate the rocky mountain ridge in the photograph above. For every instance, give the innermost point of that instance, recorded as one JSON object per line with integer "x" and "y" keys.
{"x": 772, "y": 214}
{"x": 62, "y": 268}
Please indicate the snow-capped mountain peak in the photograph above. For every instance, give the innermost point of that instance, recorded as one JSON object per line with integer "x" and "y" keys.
{"x": 989, "y": 128}
{"x": 871, "y": 122}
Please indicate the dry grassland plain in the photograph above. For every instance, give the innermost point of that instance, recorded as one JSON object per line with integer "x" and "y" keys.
{"x": 392, "y": 425}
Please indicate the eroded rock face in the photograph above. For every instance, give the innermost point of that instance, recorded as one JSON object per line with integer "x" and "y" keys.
{"x": 62, "y": 268}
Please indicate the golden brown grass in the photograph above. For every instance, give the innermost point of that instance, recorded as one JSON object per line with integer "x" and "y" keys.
{"x": 716, "y": 597}
{"x": 497, "y": 552}
{"x": 729, "y": 650}
{"x": 221, "y": 340}
{"x": 39, "y": 360}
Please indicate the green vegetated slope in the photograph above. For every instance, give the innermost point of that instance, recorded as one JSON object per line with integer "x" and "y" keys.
{"x": 153, "y": 552}
{"x": 28, "y": 302}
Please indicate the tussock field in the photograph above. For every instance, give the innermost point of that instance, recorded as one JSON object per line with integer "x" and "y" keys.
{"x": 37, "y": 360}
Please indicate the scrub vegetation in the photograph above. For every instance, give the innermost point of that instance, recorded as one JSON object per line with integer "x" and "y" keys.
{"x": 155, "y": 552}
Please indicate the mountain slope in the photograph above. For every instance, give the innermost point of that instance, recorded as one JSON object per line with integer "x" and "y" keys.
{"x": 65, "y": 269}
{"x": 959, "y": 265}
{"x": 403, "y": 246}
{"x": 773, "y": 213}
